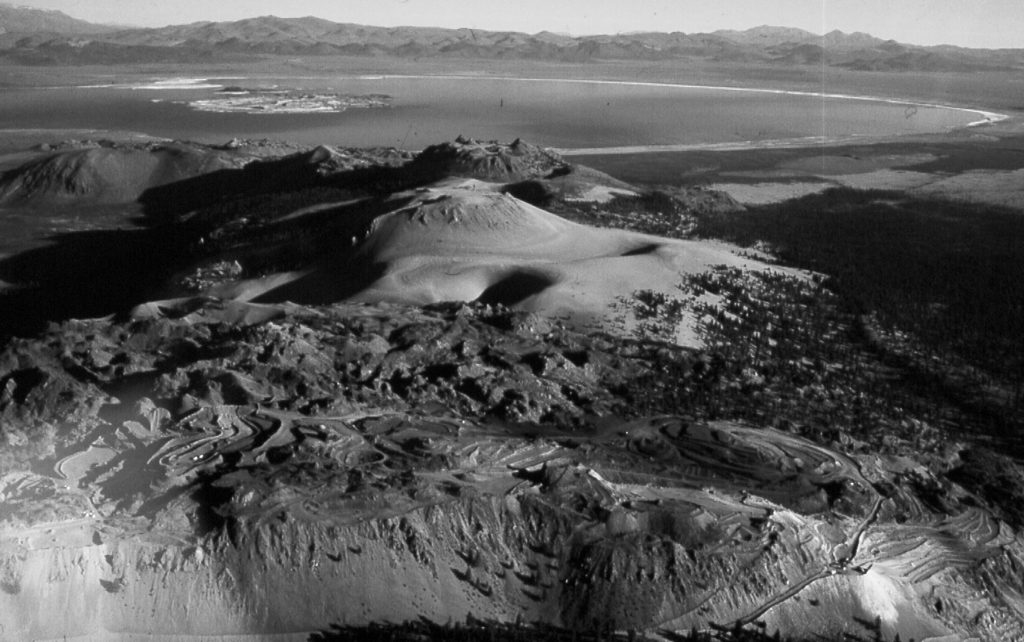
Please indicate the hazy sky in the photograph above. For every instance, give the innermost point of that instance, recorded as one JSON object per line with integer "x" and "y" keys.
{"x": 973, "y": 23}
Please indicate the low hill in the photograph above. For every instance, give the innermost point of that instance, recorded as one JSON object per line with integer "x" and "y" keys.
{"x": 110, "y": 172}
{"x": 468, "y": 242}
{"x": 492, "y": 161}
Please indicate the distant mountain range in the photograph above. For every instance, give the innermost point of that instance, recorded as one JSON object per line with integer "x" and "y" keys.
{"x": 35, "y": 37}
{"x": 22, "y": 20}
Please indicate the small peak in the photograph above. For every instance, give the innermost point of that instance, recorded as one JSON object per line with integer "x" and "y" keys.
{"x": 321, "y": 154}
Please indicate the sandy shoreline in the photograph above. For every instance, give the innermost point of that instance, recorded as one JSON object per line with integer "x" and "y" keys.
{"x": 985, "y": 117}
{"x": 775, "y": 143}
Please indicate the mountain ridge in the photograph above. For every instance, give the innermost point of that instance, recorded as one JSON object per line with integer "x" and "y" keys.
{"x": 40, "y": 42}
{"x": 21, "y": 19}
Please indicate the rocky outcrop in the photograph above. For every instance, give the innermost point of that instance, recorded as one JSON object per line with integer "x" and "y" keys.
{"x": 281, "y": 469}
{"x": 493, "y": 161}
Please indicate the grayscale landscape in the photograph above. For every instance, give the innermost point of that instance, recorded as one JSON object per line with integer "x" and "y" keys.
{"x": 314, "y": 330}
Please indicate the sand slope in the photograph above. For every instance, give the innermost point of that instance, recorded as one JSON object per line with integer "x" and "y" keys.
{"x": 458, "y": 242}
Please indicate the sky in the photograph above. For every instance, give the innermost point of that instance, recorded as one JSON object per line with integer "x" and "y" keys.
{"x": 969, "y": 23}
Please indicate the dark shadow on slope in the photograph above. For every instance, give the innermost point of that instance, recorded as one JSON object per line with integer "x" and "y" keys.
{"x": 301, "y": 231}
{"x": 232, "y": 214}
{"x": 329, "y": 282}
{"x": 166, "y": 203}
{"x": 473, "y": 630}
{"x": 314, "y": 169}
{"x": 513, "y": 288}
{"x": 85, "y": 274}
{"x": 476, "y": 630}
{"x": 96, "y": 273}
{"x": 292, "y": 174}
{"x": 209, "y": 497}
{"x": 532, "y": 191}
{"x": 647, "y": 248}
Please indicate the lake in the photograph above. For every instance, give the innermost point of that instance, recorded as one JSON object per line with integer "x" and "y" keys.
{"x": 426, "y": 110}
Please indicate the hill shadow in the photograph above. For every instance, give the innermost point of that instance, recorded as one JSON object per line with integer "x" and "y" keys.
{"x": 515, "y": 287}
{"x": 472, "y": 630}
{"x": 490, "y": 630}
{"x": 175, "y": 201}
{"x": 231, "y": 214}
{"x": 226, "y": 215}
{"x": 86, "y": 274}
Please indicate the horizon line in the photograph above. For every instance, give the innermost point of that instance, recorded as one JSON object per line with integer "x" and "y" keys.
{"x": 567, "y": 34}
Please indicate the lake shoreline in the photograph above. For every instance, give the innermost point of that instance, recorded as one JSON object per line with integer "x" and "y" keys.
{"x": 787, "y": 117}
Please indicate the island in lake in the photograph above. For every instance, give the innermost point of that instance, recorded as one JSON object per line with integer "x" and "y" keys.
{"x": 284, "y": 101}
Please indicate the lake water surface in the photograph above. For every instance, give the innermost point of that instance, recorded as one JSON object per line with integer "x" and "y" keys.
{"x": 427, "y": 110}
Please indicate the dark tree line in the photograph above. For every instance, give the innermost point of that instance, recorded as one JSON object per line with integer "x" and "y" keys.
{"x": 951, "y": 274}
